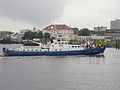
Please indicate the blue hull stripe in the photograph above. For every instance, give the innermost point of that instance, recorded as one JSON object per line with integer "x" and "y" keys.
{"x": 54, "y": 53}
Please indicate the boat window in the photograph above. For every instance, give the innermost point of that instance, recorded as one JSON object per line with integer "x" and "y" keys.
{"x": 59, "y": 43}
{"x": 78, "y": 46}
{"x": 62, "y": 42}
{"x": 55, "y": 49}
{"x": 65, "y": 42}
{"x": 55, "y": 43}
{"x": 73, "y": 46}
{"x": 36, "y": 50}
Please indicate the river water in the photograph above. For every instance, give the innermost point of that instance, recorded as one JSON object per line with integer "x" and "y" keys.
{"x": 61, "y": 72}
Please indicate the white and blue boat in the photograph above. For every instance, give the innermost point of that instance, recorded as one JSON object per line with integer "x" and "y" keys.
{"x": 57, "y": 48}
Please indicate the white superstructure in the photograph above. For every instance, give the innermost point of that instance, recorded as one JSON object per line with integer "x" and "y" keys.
{"x": 55, "y": 46}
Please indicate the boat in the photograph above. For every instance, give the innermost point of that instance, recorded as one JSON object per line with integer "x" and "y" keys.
{"x": 57, "y": 48}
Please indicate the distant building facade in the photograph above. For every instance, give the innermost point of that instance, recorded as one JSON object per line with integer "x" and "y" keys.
{"x": 60, "y": 31}
{"x": 17, "y": 37}
{"x": 5, "y": 34}
{"x": 115, "y": 24}
{"x": 114, "y": 33}
{"x": 76, "y": 31}
{"x": 100, "y": 29}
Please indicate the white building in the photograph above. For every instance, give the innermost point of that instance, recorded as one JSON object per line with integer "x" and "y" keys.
{"x": 17, "y": 36}
{"x": 60, "y": 31}
{"x": 100, "y": 29}
{"x": 115, "y": 24}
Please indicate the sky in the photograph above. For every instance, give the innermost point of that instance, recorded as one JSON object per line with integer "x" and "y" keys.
{"x": 22, "y": 14}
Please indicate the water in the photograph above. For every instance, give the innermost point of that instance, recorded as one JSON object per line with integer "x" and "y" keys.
{"x": 61, "y": 72}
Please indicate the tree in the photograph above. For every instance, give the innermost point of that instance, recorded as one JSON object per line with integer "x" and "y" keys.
{"x": 47, "y": 36}
{"x": 84, "y": 32}
{"x": 30, "y": 35}
{"x": 40, "y": 35}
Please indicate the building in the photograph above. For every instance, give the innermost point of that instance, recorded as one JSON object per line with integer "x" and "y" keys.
{"x": 60, "y": 31}
{"x": 17, "y": 37}
{"x": 100, "y": 29}
{"x": 76, "y": 31}
{"x": 114, "y": 33}
{"x": 115, "y": 24}
{"x": 5, "y": 34}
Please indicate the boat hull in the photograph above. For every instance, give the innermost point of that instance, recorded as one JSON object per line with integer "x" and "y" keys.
{"x": 93, "y": 51}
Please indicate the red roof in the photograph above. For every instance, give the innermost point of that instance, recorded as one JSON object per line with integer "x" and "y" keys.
{"x": 57, "y": 27}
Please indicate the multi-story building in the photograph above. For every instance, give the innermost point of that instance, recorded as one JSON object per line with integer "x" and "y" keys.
{"x": 60, "y": 31}
{"x": 99, "y": 29}
{"x": 115, "y": 24}
{"x": 5, "y": 34}
{"x": 114, "y": 33}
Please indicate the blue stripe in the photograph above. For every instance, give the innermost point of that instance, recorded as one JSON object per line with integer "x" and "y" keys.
{"x": 54, "y": 53}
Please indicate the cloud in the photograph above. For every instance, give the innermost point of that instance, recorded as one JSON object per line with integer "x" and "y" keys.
{"x": 90, "y": 13}
{"x": 77, "y": 13}
{"x": 37, "y": 12}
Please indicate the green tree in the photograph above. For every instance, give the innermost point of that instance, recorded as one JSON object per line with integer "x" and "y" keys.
{"x": 84, "y": 32}
{"x": 40, "y": 35}
{"x": 30, "y": 35}
{"x": 47, "y": 36}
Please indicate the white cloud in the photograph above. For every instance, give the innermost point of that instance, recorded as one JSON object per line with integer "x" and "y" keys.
{"x": 77, "y": 13}
{"x": 37, "y": 12}
{"x": 7, "y": 24}
{"x": 90, "y": 13}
